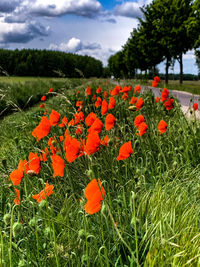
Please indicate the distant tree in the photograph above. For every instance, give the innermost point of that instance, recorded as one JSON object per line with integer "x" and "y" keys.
{"x": 117, "y": 65}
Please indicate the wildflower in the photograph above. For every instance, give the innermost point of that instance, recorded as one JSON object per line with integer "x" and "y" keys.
{"x": 42, "y": 129}
{"x": 169, "y": 104}
{"x": 50, "y": 90}
{"x": 125, "y": 96}
{"x": 79, "y": 129}
{"x": 46, "y": 192}
{"x": 43, "y": 98}
{"x": 125, "y": 151}
{"x": 88, "y": 91}
{"x": 104, "y": 107}
{"x": 162, "y": 126}
{"x": 16, "y": 176}
{"x": 73, "y": 150}
{"x": 98, "y": 102}
{"x": 133, "y": 100}
{"x": 154, "y": 84}
{"x": 94, "y": 97}
{"x": 63, "y": 123}
{"x": 116, "y": 90}
{"x": 98, "y": 91}
{"x": 157, "y": 99}
{"x": 126, "y": 89}
{"x": 137, "y": 89}
{"x": 34, "y": 163}
{"x": 58, "y": 165}
{"x": 92, "y": 143}
{"x": 112, "y": 103}
{"x": 17, "y": 197}
{"x": 54, "y": 117}
{"x": 195, "y": 106}
{"x": 109, "y": 122}
{"x": 164, "y": 95}
{"x": 138, "y": 120}
{"x": 157, "y": 79}
{"x": 139, "y": 103}
{"x": 42, "y": 105}
{"x": 105, "y": 94}
{"x": 142, "y": 128}
{"x": 90, "y": 119}
{"x": 105, "y": 141}
{"x": 96, "y": 126}
{"x": 94, "y": 194}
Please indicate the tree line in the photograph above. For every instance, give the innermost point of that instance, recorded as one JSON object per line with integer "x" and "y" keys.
{"x": 166, "y": 31}
{"x": 47, "y": 63}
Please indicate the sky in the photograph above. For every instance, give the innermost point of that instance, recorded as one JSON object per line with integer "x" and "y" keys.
{"x": 86, "y": 27}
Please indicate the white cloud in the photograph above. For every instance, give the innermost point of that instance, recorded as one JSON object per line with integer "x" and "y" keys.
{"x": 129, "y": 9}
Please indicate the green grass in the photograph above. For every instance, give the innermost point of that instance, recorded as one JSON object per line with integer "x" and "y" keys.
{"x": 150, "y": 213}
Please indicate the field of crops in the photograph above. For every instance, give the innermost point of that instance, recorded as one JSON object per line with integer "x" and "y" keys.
{"x": 100, "y": 175}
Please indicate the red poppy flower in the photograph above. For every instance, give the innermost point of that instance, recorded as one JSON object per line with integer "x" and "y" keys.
{"x": 112, "y": 103}
{"x": 116, "y": 90}
{"x": 162, "y": 126}
{"x": 125, "y": 151}
{"x": 157, "y": 99}
{"x": 105, "y": 141}
{"x": 98, "y": 91}
{"x": 137, "y": 89}
{"x": 94, "y": 194}
{"x": 42, "y": 129}
{"x": 16, "y": 176}
{"x": 54, "y": 117}
{"x": 138, "y": 120}
{"x": 125, "y": 96}
{"x": 50, "y": 90}
{"x": 142, "y": 128}
{"x": 104, "y": 107}
{"x": 154, "y": 84}
{"x": 98, "y": 102}
{"x": 46, "y": 192}
{"x": 58, "y": 165}
{"x": 195, "y": 106}
{"x": 139, "y": 103}
{"x": 17, "y": 197}
{"x": 157, "y": 79}
{"x": 71, "y": 123}
{"x": 126, "y": 89}
{"x": 96, "y": 126}
{"x": 88, "y": 91}
{"x": 94, "y": 97}
{"x": 79, "y": 129}
{"x": 73, "y": 150}
{"x": 90, "y": 119}
{"x": 133, "y": 100}
{"x": 42, "y": 105}
{"x": 34, "y": 163}
{"x": 43, "y": 98}
{"x": 164, "y": 95}
{"x": 109, "y": 122}
{"x": 169, "y": 104}
{"x": 45, "y": 153}
{"x": 79, "y": 104}
{"x": 92, "y": 143}
{"x": 63, "y": 123}
{"x": 105, "y": 94}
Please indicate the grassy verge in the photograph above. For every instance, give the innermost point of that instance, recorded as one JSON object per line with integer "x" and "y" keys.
{"x": 150, "y": 213}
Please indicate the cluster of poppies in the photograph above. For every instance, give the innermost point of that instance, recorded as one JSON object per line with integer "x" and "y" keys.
{"x": 82, "y": 137}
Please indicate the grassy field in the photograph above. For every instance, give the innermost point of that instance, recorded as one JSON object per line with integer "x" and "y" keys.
{"x": 149, "y": 214}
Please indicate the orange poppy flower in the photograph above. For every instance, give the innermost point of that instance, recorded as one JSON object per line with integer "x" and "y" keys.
{"x": 138, "y": 120}
{"x": 195, "y": 106}
{"x": 125, "y": 96}
{"x": 169, "y": 104}
{"x": 162, "y": 126}
{"x": 142, "y": 128}
{"x": 157, "y": 99}
{"x": 109, "y": 122}
{"x": 104, "y": 107}
{"x": 105, "y": 141}
{"x": 17, "y": 197}
{"x": 96, "y": 126}
{"x": 157, "y": 79}
{"x": 46, "y": 192}
{"x": 112, "y": 103}
{"x": 94, "y": 194}
{"x": 45, "y": 153}
{"x": 92, "y": 143}
{"x": 90, "y": 119}
{"x": 88, "y": 91}
{"x": 126, "y": 89}
{"x": 54, "y": 117}
{"x": 98, "y": 91}
{"x": 79, "y": 129}
{"x": 58, "y": 165}
{"x": 34, "y": 163}
{"x": 125, "y": 151}
{"x": 154, "y": 84}
{"x": 116, "y": 90}
{"x": 79, "y": 104}
{"x": 137, "y": 89}
{"x": 139, "y": 103}
{"x": 16, "y": 176}
{"x": 67, "y": 141}
{"x": 42, "y": 105}
{"x": 43, "y": 98}
{"x": 164, "y": 95}
{"x": 94, "y": 97}
{"x": 133, "y": 100}
{"x": 105, "y": 94}
{"x": 73, "y": 150}
{"x": 63, "y": 123}
{"x": 50, "y": 90}
{"x": 42, "y": 129}
{"x": 71, "y": 123}
{"x": 23, "y": 166}
{"x": 98, "y": 102}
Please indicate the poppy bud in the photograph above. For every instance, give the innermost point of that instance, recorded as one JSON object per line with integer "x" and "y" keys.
{"x": 32, "y": 222}
{"x": 6, "y": 218}
{"x": 132, "y": 108}
{"x": 42, "y": 203}
{"x": 16, "y": 228}
{"x": 81, "y": 233}
{"x": 90, "y": 173}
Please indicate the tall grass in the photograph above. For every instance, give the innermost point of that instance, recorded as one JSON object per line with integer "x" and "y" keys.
{"x": 150, "y": 213}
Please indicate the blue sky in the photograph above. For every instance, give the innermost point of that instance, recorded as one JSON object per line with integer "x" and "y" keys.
{"x": 91, "y": 27}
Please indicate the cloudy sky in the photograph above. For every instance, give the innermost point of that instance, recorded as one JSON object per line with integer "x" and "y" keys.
{"x": 95, "y": 28}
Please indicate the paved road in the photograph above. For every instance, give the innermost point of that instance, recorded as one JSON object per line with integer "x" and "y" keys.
{"x": 183, "y": 97}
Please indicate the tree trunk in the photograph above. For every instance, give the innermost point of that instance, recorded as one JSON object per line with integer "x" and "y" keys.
{"x": 154, "y": 70}
{"x": 181, "y": 68}
{"x": 166, "y": 71}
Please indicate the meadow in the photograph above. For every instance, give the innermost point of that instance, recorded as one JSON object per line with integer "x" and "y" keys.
{"x": 97, "y": 174}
